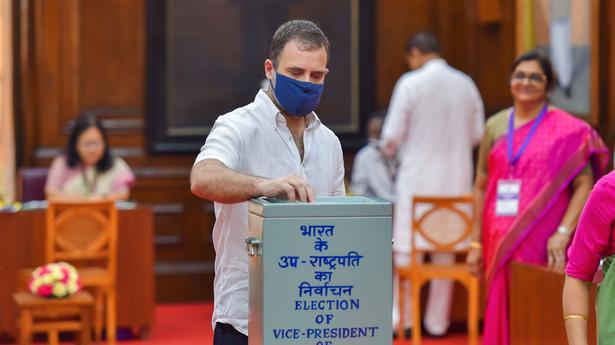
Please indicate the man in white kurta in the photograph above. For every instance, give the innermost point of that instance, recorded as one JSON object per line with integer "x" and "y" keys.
{"x": 435, "y": 118}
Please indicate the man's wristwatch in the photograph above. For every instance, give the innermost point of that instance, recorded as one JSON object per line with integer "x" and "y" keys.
{"x": 563, "y": 230}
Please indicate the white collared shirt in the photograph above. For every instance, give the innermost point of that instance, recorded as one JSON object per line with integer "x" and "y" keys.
{"x": 255, "y": 140}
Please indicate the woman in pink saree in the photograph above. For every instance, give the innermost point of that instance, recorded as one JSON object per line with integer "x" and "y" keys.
{"x": 537, "y": 165}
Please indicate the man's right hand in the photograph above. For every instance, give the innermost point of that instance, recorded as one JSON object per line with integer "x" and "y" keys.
{"x": 290, "y": 187}
{"x": 387, "y": 150}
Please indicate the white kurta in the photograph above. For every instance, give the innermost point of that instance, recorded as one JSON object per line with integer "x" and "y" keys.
{"x": 435, "y": 117}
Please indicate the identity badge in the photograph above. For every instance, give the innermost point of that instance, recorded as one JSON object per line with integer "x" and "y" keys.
{"x": 507, "y": 200}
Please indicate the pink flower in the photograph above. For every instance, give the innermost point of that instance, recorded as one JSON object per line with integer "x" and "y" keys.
{"x": 44, "y": 290}
{"x": 44, "y": 270}
{"x": 66, "y": 275}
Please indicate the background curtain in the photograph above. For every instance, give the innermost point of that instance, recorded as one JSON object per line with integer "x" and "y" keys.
{"x": 7, "y": 140}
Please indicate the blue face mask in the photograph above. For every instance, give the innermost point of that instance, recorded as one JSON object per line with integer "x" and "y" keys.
{"x": 297, "y": 98}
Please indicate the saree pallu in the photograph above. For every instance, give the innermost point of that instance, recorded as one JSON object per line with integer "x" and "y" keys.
{"x": 560, "y": 148}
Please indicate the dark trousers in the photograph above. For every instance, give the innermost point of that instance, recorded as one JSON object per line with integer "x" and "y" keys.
{"x": 225, "y": 334}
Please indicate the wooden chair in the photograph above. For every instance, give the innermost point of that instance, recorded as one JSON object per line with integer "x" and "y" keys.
{"x": 444, "y": 225}
{"x": 39, "y": 314}
{"x": 85, "y": 234}
{"x": 53, "y": 315}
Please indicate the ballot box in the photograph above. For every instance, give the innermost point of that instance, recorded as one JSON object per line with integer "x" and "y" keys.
{"x": 320, "y": 273}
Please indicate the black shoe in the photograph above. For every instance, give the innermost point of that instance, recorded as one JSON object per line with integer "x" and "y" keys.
{"x": 407, "y": 333}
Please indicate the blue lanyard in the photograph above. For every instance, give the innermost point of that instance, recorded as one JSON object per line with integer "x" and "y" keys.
{"x": 512, "y": 159}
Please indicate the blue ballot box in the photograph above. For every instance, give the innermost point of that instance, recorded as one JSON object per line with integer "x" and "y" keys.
{"x": 320, "y": 273}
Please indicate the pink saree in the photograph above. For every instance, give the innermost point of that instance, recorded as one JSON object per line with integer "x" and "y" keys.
{"x": 560, "y": 148}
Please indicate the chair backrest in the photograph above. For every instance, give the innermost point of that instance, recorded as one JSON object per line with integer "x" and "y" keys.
{"x": 82, "y": 233}
{"x": 441, "y": 224}
{"x": 31, "y": 183}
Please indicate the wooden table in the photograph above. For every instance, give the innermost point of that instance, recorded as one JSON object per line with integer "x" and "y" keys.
{"x": 22, "y": 239}
{"x": 536, "y": 314}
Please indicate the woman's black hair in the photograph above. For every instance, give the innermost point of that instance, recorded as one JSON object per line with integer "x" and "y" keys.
{"x": 543, "y": 61}
{"x": 72, "y": 155}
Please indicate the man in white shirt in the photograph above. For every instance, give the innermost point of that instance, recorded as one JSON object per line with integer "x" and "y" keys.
{"x": 275, "y": 146}
{"x": 373, "y": 174}
{"x": 435, "y": 117}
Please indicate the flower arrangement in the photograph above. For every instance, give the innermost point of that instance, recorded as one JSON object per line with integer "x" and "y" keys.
{"x": 9, "y": 207}
{"x": 58, "y": 280}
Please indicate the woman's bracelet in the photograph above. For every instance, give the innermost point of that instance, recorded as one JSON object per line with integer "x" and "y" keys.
{"x": 476, "y": 245}
{"x": 575, "y": 316}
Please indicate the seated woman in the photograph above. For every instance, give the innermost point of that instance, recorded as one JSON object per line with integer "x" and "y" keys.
{"x": 87, "y": 170}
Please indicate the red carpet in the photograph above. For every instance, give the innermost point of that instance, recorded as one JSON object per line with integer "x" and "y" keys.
{"x": 179, "y": 324}
{"x": 452, "y": 339}
{"x": 190, "y": 324}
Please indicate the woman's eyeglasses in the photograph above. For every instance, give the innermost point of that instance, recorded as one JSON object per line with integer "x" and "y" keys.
{"x": 91, "y": 144}
{"x": 533, "y": 78}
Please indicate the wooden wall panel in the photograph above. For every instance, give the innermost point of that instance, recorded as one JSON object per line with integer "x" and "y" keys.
{"x": 82, "y": 57}
{"x": 184, "y": 249}
{"x": 482, "y": 50}
{"x": 493, "y": 55}
{"x": 489, "y": 11}
{"x": 394, "y": 22}
{"x": 113, "y": 55}
{"x": 47, "y": 57}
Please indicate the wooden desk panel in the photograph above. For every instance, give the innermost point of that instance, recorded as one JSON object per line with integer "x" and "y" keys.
{"x": 536, "y": 314}
{"x": 22, "y": 239}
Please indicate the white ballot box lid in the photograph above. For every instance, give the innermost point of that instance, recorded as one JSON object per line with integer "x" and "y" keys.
{"x": 337, "y": 206}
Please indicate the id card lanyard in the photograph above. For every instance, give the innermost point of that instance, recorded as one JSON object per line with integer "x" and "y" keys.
{"x": 509, "y": 190}
{"x": 514, "y": 158}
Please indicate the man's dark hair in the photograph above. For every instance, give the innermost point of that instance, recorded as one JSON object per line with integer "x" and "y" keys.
{"x": 543, "y": 61}
{"x": 424, "y": 41}
{"x": 307, "y": 34}
{"x": 379, "y": 114}
{"x": 72, "y": 155}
